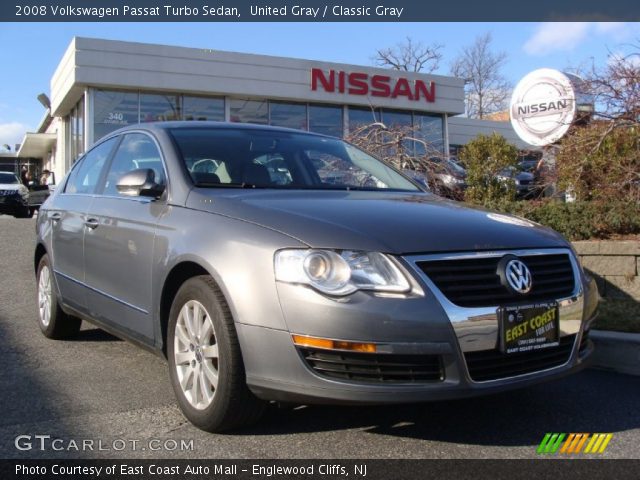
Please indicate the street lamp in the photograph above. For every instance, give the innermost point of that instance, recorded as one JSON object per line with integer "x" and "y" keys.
{"x": 44, "y": 100}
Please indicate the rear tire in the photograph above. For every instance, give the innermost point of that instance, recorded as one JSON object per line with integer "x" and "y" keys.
{"x": 53, "y": 322}
{"x": 205, "y": 363}
{"x": 23, "y": 212}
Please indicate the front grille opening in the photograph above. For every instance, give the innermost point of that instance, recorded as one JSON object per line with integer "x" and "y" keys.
{"x": 374, "y": 368}
{"x": 493, "y": 364}
{"x": 474, "y": 282}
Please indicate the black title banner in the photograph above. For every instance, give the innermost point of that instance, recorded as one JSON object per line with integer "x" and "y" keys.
{"x": 316, "y": 11}
{"x": 318, "y": 469}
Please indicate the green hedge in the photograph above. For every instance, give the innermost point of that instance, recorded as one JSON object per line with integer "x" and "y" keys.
{"x": 578, "y": 220}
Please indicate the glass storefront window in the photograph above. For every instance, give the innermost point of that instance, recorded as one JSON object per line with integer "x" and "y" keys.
{"x": 326, "y": 119}
{"x": 113, "y": 110}
{"x": 291, "y": 115}
{"x": 159, "y": 107}
{"x": 429, "y": 128}
{"x": 77, "y": 128}
{"x": 75, "y": 132}
{"x": 203, "y": 108}
{"x": 249, "y": 111}
{"x": 396, "y": 119}
{"x": 360, "y": 117}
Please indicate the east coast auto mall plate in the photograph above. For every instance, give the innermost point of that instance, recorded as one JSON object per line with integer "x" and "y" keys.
{"x": 528, "y": 328}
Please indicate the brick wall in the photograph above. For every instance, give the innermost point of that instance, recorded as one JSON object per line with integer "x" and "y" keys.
{"x": 614, "y": 264}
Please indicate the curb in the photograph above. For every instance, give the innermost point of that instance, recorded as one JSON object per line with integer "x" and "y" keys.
{"x": 616, "y": 351}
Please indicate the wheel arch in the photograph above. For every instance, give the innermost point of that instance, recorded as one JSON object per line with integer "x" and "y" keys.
{"x": 40, "y": 252}
{"x": 180, "y": 273}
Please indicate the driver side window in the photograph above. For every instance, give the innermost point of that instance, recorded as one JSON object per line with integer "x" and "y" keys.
{"x": 85, "y": 176}
{"x": 135, "y": 152}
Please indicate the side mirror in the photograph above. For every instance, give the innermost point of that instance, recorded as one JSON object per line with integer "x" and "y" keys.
{"x": 139, "y": 183}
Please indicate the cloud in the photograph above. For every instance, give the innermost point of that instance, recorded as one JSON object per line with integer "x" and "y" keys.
{"x": 557, "y": 36}
{"x": 12, "y": 133}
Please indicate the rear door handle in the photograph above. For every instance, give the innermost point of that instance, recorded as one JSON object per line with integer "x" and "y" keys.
{"x": 56, "y": 216}
{"x": 91, "y": 223}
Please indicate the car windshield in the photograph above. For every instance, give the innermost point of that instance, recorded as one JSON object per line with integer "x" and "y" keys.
{"x": 456, "y": 167}
{"x": 225, "y": 157}
{"x": 8, "y": 178}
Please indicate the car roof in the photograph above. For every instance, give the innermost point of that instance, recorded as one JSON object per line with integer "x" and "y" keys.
{"x": 186, "y": 124}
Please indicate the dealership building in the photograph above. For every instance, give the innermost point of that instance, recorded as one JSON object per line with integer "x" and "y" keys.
{"x": 102, "y": 85}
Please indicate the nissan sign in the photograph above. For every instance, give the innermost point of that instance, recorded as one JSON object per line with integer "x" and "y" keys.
{"x": 543, "y": 106}
{"x": 357, "y": 83}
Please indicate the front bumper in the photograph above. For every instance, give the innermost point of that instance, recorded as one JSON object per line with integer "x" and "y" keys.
{"x": 12, "y": 204}
{"x": 415, "y": 326}
{"x": 285, "y": 378}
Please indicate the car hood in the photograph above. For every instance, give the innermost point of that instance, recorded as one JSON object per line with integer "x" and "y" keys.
{"x": 397, "y": 223}
{"x": 10, "y": 186}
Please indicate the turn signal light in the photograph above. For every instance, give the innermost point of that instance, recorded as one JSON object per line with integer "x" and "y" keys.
{"x": 327, "y": 344}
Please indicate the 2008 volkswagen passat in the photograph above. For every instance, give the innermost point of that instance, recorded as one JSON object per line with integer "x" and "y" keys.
{"x": 270, "y": 264}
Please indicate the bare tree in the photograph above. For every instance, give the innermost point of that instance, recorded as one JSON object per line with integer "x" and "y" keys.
{"x": 616, "y": 87}
{"x": 486, "y": 89}
{"x": 410, "y": 56}
{"x": 600, "y": 156}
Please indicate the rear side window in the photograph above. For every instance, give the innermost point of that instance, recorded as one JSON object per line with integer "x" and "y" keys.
{"x": 136, "y": 151}
{"x": 85, "y": 176}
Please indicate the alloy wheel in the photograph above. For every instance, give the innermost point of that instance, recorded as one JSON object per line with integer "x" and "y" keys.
{"x": 196, "y": 354}
{"x": 44, "y": 296}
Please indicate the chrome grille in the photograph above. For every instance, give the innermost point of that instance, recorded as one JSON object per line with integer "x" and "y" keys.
{"x": 474, "y": 282}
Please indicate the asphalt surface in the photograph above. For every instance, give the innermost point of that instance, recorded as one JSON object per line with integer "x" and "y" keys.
{"x": 101, "y": 389}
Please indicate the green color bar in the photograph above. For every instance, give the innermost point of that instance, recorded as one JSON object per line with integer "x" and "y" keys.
{"x": 550, "y": 443}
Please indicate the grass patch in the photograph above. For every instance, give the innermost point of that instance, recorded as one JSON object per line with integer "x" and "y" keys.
{"x": 619, "y": 315}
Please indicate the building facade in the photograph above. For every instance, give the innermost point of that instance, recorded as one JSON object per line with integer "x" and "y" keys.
{"x": 102, "y": 85}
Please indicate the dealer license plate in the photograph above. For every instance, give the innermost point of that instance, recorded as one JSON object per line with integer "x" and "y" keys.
{"x": 530, "y": 327}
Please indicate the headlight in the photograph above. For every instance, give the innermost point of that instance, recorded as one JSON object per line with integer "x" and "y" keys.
{"x": 340, "y": 273}
{"x": 448, "y": 179}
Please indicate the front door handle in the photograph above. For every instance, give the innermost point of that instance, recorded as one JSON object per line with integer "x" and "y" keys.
{"x": 91, "y": 223}
{"x": 56, "y": 216}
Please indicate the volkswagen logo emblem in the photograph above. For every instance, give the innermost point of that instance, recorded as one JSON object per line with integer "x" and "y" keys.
{"x": 515, "y": 275}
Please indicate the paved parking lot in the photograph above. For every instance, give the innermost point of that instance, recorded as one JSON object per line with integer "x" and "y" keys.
{"x": 101, "y": 389}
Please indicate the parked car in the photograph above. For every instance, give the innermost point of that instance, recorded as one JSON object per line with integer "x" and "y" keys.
{"x": 14, "y": 196}
{"x": 19, "y": 200}
{"x": 523, "y": 181}
{"x": 311, "y": 291}
{"x": 450, "y": 178}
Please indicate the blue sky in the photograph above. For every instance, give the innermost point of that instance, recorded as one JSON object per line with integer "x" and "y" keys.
{"x": 31, "y": 52}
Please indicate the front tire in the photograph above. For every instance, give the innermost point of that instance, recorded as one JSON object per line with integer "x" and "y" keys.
{"x": 23, "y": 212}
{"x": 205, "y": 362}
{"x": 53, "y": 322}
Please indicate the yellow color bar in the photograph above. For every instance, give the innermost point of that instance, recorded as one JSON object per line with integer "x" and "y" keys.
{"x": 596, "y": 446}
{"x": 606, "y": 441}
{"x": 590, "y": 444}
{"x": 327, "y": 344}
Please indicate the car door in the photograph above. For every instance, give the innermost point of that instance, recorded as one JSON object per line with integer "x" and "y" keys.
{"x": 67, "y": 215}
{"x": 119, "y": 240}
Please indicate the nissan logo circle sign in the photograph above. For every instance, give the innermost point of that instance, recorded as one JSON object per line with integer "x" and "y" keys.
{"x": 543, "y": 105}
